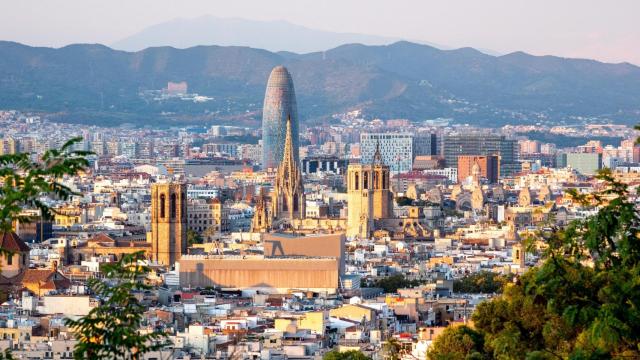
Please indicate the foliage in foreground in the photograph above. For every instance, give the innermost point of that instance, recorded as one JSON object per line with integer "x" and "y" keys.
{"x": 345, "y": 355}
{"x": 457, "y": 343}
{"x": 583, "y": 302}
{"x": 111, "y": 330}
{"x": 25, "y": 182}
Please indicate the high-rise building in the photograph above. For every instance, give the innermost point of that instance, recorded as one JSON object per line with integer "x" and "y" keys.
{"x": 396, "y": 149}
{"x": 8, "y": 146}
{"x": 529, "y": 146}
{"x": 425, "y": 144}
{"x": 489, "y": 167}
{"x": 482, "y": 145}
{"x": 168, "y": 222}
{"x": 584, "y": 163}
{"x": 279, "y": 105}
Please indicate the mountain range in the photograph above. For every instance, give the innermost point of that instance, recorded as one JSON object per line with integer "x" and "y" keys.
{"x": 97, "y": 84}
{"x": 279, "y": 35}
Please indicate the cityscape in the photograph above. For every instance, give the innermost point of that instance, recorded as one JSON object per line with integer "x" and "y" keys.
{"x": 283, "y": 229}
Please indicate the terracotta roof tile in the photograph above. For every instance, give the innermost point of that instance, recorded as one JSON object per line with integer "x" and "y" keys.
{"x": 12, "y": 242}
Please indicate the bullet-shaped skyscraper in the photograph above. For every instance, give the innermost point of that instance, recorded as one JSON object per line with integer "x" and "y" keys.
{"x": 279, "y": 104}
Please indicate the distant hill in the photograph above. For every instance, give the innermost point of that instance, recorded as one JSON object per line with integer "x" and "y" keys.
{"x": 93, "y": 83}
{"x": 268, "y": 35}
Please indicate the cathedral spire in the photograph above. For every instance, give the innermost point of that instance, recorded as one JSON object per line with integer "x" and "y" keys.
{"x": 377, "y": 156}
{"x": 288, "y": 143}
{"x": 288, "y": 195}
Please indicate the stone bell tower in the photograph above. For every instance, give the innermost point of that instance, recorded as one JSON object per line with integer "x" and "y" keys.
{"x": 168, "y": 222}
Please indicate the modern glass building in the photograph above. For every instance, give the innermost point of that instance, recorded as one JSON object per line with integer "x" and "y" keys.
{"x": 482, "y": 145}
{"x": 396, "y": 150}
{"x": 279, "y": 104}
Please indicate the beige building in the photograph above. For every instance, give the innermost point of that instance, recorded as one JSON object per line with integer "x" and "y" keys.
{"x": 257, "y": 273}
{"x": 16, "y": 263}
{"x": 207, "y": 216}
{"x": 168, "y": 222}
{"x": 369, "y": 196}
{"x": 309, "y": 263}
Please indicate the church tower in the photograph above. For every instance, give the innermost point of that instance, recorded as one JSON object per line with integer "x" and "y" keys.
{"x": 261, "y": 221}
{"x": 518, "y": 255}
{"x": 368, "y": 195}
{"x": 381, "y": 183}
{"x": 168, "y": 222}
{"x": 288, "y": 199}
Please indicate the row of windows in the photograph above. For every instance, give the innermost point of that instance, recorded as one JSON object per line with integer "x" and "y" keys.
{"x": 23, "y": 259}
{"x": 172, "y": 205}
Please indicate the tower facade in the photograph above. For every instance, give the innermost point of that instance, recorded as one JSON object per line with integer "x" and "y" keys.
{"x": 261, "y": 221}
{"x": 288, "y": 199}
{"x": 279, "y": 105}
{"x": 168, "y": 222}
{"x": 368, "y": 195}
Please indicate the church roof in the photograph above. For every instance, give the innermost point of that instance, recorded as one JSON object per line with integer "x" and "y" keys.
{"x": 12, "y": 242}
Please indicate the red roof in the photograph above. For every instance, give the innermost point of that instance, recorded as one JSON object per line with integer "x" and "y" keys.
{"x": 12, "y": 242}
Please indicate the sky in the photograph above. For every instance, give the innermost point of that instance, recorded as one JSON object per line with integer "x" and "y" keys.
{"x": 603, "y": 30}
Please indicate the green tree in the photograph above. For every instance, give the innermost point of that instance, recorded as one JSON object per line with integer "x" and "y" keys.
{"x": 345, "y": 355}
{"x": 457, "y": 343}
{"x": 404, "y": 201}
{"x": 25, "y": 183}
{"x": 583, "y": 301}
{"x": 193, "y": 237}
{"x": 391, "y": 284}
{"x": 485, "y": 282}
{"x": 111, "y": 330}
{"x": 391, "y": 349}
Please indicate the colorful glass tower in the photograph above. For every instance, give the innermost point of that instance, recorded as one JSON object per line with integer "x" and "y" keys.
{"x": 279, "y": 105}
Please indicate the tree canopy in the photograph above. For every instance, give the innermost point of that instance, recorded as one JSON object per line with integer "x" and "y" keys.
{"x": 485, "y": 282}
{"x": 345, "y": 355}
{"x": 26, "y": 182}
{"x": 583, "y": 300}
{"x": 112, "y": 329}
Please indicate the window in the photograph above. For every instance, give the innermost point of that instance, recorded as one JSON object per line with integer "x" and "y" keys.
{"x": 173, "y": 206}
{"x": 10, "y": 259}
{"x": 357, "y": 181}
{"x": 162, "y": 206}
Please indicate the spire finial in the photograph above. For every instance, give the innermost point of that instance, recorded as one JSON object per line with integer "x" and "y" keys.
{"x": 377, "y": 156}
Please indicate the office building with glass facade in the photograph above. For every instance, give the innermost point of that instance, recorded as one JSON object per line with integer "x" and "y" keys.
{"x": 279, "y": 104}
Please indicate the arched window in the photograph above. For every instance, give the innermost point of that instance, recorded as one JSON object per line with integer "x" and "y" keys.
{"x": 163, "y": 206}
{"x": 357, "y": 182}
{"x": 365, "y": 179}
{"x": 173, "y": 206}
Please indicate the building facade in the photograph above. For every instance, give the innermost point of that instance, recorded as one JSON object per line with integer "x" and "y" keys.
{"x": 489, "y": 167}
{"x": 482, "y": 145}
{"x": 279, "y": 105}
{"x": 369, "y": 196}
{"x": 169, "y": 222}
{"x": 396, "y": 149}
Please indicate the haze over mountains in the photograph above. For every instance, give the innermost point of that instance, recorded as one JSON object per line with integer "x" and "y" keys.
{"x": 268, "y": 35}
{"x": 94, "y": 83}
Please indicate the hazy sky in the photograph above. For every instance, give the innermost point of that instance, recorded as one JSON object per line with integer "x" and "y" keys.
{"x": 599, "y": 29}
